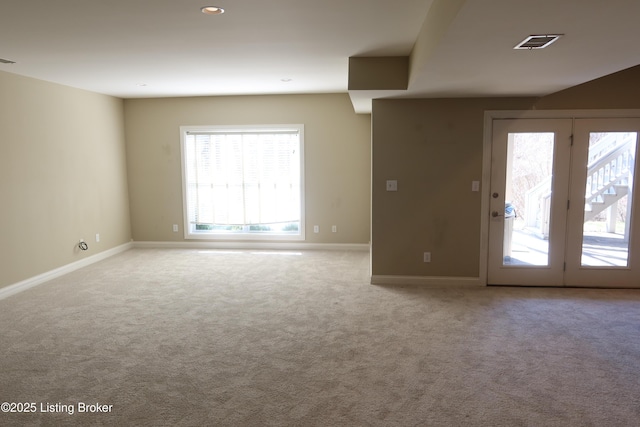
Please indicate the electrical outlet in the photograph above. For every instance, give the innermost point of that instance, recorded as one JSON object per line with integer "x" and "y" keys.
{"x": 175, "y": 228}
{"x": 392, "y": 185}
{"x": 334, "y": 228}
{"x": 97, "y": 237}
{"x": 316, "y": 229}
{"x": 427, "y": 257}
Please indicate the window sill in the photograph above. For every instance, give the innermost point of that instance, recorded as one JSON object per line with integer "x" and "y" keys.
{"x": 243, "y": 236}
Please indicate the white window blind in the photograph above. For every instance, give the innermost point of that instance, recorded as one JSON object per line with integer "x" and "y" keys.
{"x": 243, "y": 180}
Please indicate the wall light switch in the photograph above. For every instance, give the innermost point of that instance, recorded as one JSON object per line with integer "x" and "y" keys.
{"x": 392, "y": 185}
{"x": 475, "y": 185}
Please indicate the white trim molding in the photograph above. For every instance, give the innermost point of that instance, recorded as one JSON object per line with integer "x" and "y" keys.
{"x": 61, "y": 271}
{"x": 428, "y": 281}
{"x": 298, "y": 246}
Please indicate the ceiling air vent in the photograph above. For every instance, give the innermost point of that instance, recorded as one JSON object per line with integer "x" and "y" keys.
{"x": 6, "y": 61}
{"x": 538, "y": 42}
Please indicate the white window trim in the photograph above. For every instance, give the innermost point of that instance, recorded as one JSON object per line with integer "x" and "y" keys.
{"x": 188, "y": 235}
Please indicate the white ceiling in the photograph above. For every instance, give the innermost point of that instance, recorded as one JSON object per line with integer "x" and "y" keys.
{"x": 117, "y": 46}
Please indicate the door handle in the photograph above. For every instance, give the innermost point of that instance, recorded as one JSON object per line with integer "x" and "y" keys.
{"x": 495, "y": 214}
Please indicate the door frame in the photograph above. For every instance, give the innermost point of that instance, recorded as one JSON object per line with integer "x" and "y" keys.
{"x": 491, "y": 115}
{"x": 551, "y": 273}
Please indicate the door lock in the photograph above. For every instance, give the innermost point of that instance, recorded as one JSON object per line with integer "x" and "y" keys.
{"x": 495, "y": 214}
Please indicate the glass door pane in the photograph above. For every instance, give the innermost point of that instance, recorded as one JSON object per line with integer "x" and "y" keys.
{"x": 528, "y": 201}
{"x": 608, "y": 199}
{"x": 527, "y": 215}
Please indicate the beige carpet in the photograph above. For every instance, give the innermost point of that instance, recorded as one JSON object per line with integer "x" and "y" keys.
{"x": 241, "y": 338}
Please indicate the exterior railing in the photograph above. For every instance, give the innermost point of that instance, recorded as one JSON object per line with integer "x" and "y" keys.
{"x": 608, "y": 170}
{"x": 610, "y": 163}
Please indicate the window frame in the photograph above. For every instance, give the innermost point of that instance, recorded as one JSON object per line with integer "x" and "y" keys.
{"x": 213, "y": 235}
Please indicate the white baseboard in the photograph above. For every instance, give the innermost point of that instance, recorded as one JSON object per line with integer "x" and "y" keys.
{"x": 61, "y": 271}
{"x": 428, "y": 281}
{"x": 255, "y": 245}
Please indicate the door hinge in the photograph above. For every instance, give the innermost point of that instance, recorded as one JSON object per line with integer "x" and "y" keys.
{"x": 571, "y": 139}
{"x": 568, "y": 204}
{"x": 564, "y": 266}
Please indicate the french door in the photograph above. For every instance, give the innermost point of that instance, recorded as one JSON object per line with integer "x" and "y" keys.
{"x": 561, "y": 203}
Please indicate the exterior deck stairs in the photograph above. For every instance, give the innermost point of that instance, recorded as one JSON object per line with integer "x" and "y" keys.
{"x": 598, "y": 204}
{"x": 609, "y": 174}
{"x": 609, "y": 179}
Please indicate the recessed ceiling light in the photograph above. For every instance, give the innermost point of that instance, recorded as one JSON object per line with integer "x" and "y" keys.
{"x": 212, "y": 10}
{"x": 538, "y": 42}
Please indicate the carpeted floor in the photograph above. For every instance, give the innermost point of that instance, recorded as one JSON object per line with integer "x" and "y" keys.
{"x": 241, "y": 338}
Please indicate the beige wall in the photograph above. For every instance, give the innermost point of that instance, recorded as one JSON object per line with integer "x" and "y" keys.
{"x": 337, "y": 158}
{"x": 616, "y": 91}
{"x": 62, "y": 176}
{"x": 433, "y": 147}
